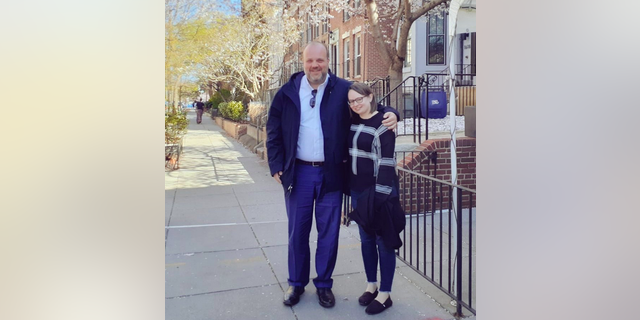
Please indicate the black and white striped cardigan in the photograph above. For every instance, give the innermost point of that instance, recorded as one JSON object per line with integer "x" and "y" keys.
{"x": 371, "y": 151}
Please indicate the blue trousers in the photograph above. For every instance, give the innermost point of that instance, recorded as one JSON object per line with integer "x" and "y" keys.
{"x": 373, "y": 247}
{"x": 301, "y": 203}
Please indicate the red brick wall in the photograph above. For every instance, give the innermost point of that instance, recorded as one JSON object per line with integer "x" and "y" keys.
{"x": 418, "y": 194}
{"x": 372, "y": 64}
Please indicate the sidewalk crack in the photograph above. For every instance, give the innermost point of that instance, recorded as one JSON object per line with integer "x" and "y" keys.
{"x": 259, "y": 244}
{"x": 215, "y": 170}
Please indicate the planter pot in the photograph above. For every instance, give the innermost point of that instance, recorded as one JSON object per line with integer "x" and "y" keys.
{"x": 233, "y": 129}
{"x": 172, "y": 155}
{"x": 214, "y": 113}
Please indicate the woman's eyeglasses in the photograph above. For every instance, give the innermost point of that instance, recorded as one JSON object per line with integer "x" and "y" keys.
{"x": 356, "y": 101}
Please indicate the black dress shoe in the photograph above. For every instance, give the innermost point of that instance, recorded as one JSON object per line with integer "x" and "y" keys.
{"x": 326, "y": 298}
{"x": 376, "y": 307}
{"x": 366, "y": 298}
{"x": 292, "y": 295}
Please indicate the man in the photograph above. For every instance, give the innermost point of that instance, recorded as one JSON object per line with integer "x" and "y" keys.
{"x": 199, "y": 110}
{"x": 307, "y": 132}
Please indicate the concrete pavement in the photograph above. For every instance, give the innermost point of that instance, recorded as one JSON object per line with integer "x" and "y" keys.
{"x": 226, "y": 245}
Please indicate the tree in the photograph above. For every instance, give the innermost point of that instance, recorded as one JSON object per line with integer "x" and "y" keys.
{"x": 184, "y": 23}
{"x": 388, "y": 21}
{"x": 241, "y": 48}
{"x": 237, "y": 47}
{"x": 401, "y": 15}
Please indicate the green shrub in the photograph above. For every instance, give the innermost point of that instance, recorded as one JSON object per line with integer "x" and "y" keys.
{"x": 236, "y": 111}
{"x": 222, "y": 109}
{"x": 175, "y": 126}
{"x": 233, "y": 110}
{"x": 219, "y": 97}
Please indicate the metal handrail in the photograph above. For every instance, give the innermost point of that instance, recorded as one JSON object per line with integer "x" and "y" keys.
{"x": 437, "y": 180}
{"x": 431, "y": 199}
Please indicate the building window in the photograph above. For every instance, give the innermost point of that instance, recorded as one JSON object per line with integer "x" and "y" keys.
{"x": 345, "y": 13}
{"x": 436, "y": 40}
{"x": 334, "y": 59}
{"x": 325, "y": 22}
{"x": 407, "y": 58}
{"x": 356, "y": 4}
{"x": 357, "y": 56}
{"x": 346, "y": 73}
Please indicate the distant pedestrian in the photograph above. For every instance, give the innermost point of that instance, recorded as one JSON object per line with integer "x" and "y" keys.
{"x": 199, "y": 110}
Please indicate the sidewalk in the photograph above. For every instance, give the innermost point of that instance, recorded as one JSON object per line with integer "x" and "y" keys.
{"x": 226, "y": 245}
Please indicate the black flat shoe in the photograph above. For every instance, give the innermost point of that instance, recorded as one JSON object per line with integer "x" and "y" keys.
{"x": 376, "y": 307}
{"x": 292, "y": 295}
{"x": 366, "y": 298}
{"x": 326, "y": 298}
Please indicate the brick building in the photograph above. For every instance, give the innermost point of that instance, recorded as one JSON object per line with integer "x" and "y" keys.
{"x": 352, "y": 51}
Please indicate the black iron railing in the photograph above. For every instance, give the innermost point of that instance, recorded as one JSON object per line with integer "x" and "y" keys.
{"x": 466, "y": 69}
{"x": 403, "y": 159}
{"x": 413, "y": 99}
{"x": 465, "y": 75}
{"x": 439, "y": 242}
{"x": 409, "y": 159}
{"x": 381, "y": 87}
{"x": 405, "y": 98}
{"x": 259, "y": 120}
{"x": 288, "y": 70}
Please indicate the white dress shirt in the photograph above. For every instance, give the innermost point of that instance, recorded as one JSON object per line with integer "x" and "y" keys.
{"x": 310, "y": 138}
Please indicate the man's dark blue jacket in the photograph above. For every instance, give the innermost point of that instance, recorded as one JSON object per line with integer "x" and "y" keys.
{"x": 283, "y": 126}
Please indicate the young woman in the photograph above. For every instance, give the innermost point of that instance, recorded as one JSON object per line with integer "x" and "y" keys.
{"x": 374, "y": 195}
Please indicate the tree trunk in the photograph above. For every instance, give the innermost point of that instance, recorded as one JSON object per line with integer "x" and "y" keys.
{"x": 210, "y": 89}
{"x": 395, "y": 73}
{"x": 396, "y": 50}
{"x": 176, "y": 93}
{"x": 396, "y": 98}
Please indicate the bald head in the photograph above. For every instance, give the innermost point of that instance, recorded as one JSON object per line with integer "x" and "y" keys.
{"x": 316, "y": 63}
{"x": 317, "y": 45}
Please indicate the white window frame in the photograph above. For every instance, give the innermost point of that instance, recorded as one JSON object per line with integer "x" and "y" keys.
{"x": 346, "y": 71}
{"x": 357, "y": 53}
{"x": 407, "y": 59}
{"x": 345, "y": 13}
{"x": 443, "y": 35}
